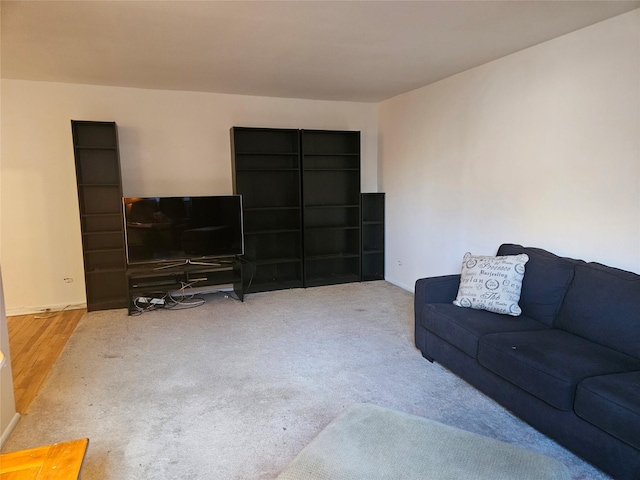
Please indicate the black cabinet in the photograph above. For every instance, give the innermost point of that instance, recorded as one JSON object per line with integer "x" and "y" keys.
{"x": 301, "y": 196}
{"x": 372, "y": 208}
{"x": 331, "y": 199}
{"x": 266, "y": 169}
{"x": 97, "y": 163}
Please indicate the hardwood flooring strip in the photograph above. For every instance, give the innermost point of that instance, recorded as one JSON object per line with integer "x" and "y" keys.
{"x": 36, "y": 342}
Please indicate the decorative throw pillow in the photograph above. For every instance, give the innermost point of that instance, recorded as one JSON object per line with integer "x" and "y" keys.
{"x": 492, "y": 283}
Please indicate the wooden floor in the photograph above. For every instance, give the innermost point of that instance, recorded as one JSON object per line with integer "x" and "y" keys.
{"x": 35, "y": 342}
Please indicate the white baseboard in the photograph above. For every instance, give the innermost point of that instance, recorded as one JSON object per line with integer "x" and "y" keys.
{"x": 12, "y": 312}
{"x": 401, "y": 285}
{"x": 7, "y": 431}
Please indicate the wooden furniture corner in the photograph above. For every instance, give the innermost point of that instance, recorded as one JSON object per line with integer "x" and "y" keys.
{"x": 60, "y": 461}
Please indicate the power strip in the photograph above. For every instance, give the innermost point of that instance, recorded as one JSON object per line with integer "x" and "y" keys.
{"x": 150, "y": 300}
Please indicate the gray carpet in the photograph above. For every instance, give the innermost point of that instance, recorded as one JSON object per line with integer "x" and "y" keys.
{"x": 235, "y": 390}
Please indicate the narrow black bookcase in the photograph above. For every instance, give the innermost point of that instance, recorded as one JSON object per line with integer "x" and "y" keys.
{"x": 97, "y": 162}
{"x": 331, "y": 202}
{"x": 266, "y": 169}
{"x": 372, "y": 208}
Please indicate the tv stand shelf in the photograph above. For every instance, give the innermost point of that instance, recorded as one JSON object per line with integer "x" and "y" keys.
{"x": 159, "y": 280}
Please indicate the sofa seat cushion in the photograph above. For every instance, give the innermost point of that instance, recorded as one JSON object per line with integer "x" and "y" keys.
{"x": 612, "y": 403}
{"x": 463, "y": 327}
{"x": 549, "y": 364}
{"x": 545, "y": 282}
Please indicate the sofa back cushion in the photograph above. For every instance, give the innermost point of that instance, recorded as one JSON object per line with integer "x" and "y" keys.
{"x": 603, "y": 305}
{"x": 546, "y": 280}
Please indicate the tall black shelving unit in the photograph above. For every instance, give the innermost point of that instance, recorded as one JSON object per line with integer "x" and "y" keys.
{"x": 301, "y": 196}
{"x": 331, "y": 199}
{"x": 267, "y": 173}
{"x": 372, "y": 208}
{"x": 97, "y": 162}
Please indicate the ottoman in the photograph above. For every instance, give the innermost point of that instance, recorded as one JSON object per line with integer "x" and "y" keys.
{"x": 371, "y": 442}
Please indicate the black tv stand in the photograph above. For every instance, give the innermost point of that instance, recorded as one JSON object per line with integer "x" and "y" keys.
{"x": 156, "y": 281}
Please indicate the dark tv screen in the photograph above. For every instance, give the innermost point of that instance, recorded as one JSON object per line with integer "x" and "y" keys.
{"x": 182, "y": 229}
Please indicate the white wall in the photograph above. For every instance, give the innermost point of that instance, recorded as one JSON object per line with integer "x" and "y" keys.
{"x": 541, "y": 148}
{"x": 171, "y": 143}
{"x": 8, "y": 416}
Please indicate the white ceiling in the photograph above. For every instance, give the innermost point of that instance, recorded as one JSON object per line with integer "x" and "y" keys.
{"x": 363, "y": 51}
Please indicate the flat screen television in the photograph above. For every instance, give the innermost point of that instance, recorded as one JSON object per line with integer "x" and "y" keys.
{"x": 179, "y": 230}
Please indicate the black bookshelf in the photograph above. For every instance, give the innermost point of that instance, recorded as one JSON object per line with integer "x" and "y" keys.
{"x": 372, "y": 208}
{"x": 301, "y": 194}
{"x": 331, "y": 199}
{"x": 97, "y": 163}
{"x": 266, "y": 169}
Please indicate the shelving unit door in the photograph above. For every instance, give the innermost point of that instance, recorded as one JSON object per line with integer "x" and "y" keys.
{"x": 97, "y": 163}
{"x": 331, "y": 193}
{"x": 372, "y": 208}
{"x": 266, "y": 169}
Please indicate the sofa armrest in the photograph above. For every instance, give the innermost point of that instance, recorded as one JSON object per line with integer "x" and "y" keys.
{"x": 442, "y": 289}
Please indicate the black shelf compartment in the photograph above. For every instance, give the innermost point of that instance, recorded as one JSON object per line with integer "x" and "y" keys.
{"x": 98, "y": 166}
{"x": 372, "y": 208}
{"x": 372, "y": 238}
{"x": 276, "y": 188}
{"x": 105, "y": 288}
{"x": 275, "y": 274}
{"x": 100, "y": 199}
{"x": 334, "y": 241}
{"x": 248, "y": 162}
{"x": 330, "y": 142}
{"x": 259, "y": 220}
{"x": 104, "y": 259}
{"x": 94, "y": 134}
{"x": 330, "y": 187}
{"x": 102, "y": 241}
{"x": 330, "y": 270}
{"x": 249, "y": 140}
{"x": 372, "y": 266}
{"x": 318, "y": 216}
{"x": 338, "y": 163}
{"x": 272, "y": 245}
{"x": 101, "y": 222}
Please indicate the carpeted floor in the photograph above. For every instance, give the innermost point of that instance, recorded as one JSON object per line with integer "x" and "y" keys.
{"x": 235, "y": 390}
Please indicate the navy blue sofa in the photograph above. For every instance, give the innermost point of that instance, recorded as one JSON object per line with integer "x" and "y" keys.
{"x": 569, "y": 365}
